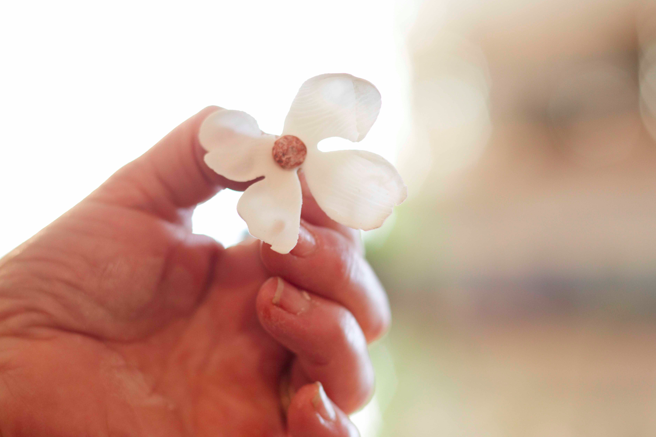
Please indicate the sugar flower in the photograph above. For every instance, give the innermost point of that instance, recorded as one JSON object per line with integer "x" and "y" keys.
{"x": 355, "y": 188}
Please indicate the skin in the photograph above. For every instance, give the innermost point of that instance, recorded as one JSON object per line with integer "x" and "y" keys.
{"x": 116, "y": 320}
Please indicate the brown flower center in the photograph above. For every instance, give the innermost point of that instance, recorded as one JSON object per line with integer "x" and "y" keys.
{"x": 289, "y": 152}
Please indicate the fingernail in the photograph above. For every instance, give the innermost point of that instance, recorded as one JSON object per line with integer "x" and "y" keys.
{"x": 322, "y": 404}
{"x": 306, "y": 243}
{"x": 290, "y": 299}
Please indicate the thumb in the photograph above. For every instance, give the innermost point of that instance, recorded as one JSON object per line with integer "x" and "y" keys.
{"x": 169, "y": 178}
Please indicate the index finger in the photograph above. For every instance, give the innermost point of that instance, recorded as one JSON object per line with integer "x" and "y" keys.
{"x": 312, "y": 213}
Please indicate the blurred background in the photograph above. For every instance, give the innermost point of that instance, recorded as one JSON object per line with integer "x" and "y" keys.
{"x": 521, "y": 269}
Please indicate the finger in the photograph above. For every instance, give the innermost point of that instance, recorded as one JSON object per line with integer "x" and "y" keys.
{"x": 169, "y": 178}
{"x": 313, "y": 214}
{"x": 312, "y": 414}
{"x": 324, "y": 262}
{"x": 328, "y": 342}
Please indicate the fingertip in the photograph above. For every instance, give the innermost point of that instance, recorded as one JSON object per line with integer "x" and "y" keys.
{"x": 311, "y": 209}
{"x": 312, "y": 414}
{"x": 264, "y": 301}
{"x": 380, "y": 326}
{"x": 312, "y": 213}
{"x": 327, "y": 264}
{"x": 283, "y": 311}
{"x": 201, "y": 115}
{"x": 325, "y": 337}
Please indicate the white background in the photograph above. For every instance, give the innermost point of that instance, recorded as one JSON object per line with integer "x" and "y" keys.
{"x": 87, "y": 86}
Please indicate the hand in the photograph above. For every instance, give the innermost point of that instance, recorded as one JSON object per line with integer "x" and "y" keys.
{"x": 117, "y": 320}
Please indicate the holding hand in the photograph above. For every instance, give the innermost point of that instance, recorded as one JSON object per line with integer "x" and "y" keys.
{"x": 117, "y": 320}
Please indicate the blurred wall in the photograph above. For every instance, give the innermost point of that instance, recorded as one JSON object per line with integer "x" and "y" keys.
{"x": 522, "y": 271}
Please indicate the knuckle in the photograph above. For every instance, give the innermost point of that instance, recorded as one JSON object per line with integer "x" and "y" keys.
{"x": 348, "y": 332}
{"x": 344, "y": 338}
{"x": 351, "y": 346}
{"x": 362, "y": 390}
{"x": 346, "y": 266}
{"x": 366, "y": 392}
{"x": 378, "y": 327}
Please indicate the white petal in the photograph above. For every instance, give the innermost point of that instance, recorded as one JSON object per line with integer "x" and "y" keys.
{"x": 333, "y": 105}
{"x": 272, "y": 209}
{"x": 355, "y": 188}
{"x": 237, "y": 147}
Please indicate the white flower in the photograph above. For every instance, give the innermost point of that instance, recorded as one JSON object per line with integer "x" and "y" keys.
{"x": 356, "y": 188}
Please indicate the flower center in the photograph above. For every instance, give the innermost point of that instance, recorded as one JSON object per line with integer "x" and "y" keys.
{"x": 289, "y": 152}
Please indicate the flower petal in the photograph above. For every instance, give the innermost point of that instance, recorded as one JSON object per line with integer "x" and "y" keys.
{"x": 272, "y": 209}
{"x": 355, "y": 188}
{"x": 333, "y": 105}
{"x": 237, "y": 147}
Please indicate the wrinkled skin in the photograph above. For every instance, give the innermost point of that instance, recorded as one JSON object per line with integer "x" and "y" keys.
{"x": 116, "y": 320}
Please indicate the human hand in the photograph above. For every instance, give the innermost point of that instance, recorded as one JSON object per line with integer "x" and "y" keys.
{"x": 117, "y": 320}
